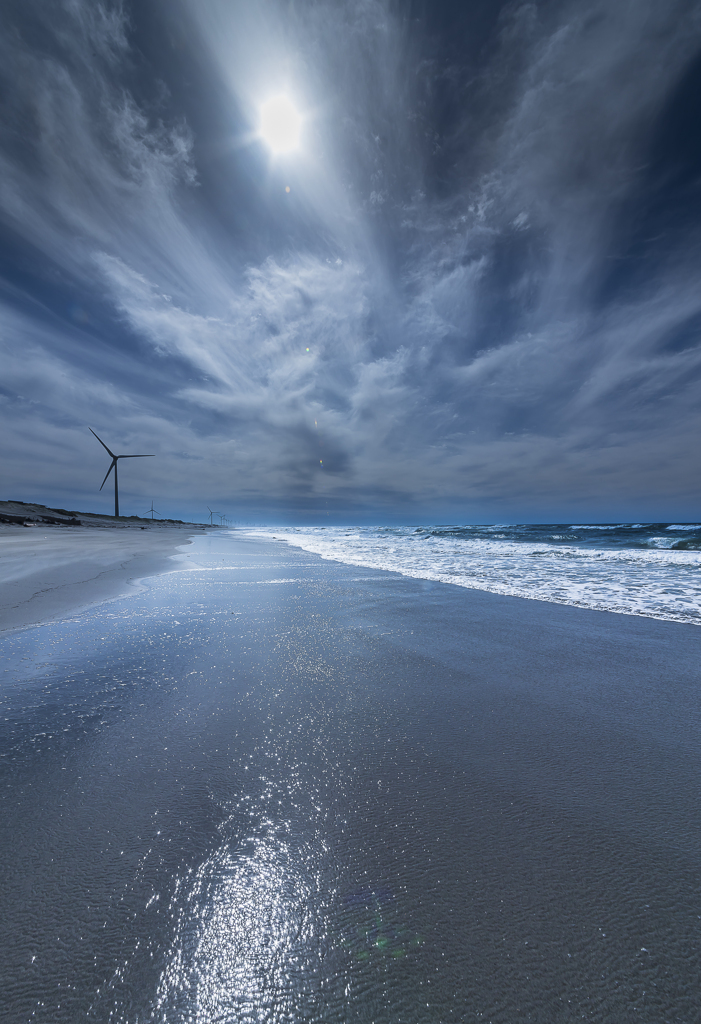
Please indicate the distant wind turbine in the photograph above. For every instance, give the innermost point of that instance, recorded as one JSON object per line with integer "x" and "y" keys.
{"x": 212, "y": 514}
{"x": 152, "y": 509}
{"x": 113, "y": 466}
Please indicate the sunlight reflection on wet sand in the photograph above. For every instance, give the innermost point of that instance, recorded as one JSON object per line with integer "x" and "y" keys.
{"x": 280, "y": 792}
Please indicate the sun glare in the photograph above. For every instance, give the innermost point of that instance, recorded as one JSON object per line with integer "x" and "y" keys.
{"x": 280, "y": 124}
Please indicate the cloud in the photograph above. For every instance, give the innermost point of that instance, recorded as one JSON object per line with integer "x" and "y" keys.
{"x": 82, "y": 155}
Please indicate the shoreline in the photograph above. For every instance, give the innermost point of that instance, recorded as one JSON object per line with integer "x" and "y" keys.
{"x": 52, "y": 573}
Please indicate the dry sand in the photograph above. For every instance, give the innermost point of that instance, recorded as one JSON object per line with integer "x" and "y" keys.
{"x": 49, "y": 571}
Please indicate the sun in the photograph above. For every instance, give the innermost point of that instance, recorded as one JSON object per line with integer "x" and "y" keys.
{"x": 280, "y": 125}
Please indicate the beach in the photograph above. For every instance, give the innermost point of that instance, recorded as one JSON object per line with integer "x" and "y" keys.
{"x": 271, "y": 786}
{"x": 47, "y": 572}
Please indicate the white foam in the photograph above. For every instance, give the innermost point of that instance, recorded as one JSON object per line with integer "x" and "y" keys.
{"x": 658, "y": 582}
{"x": 620, "y": 526}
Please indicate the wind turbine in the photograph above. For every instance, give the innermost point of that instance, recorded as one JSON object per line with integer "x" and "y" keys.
{"x": 212, "y": 514}
{"x": 152, "y": 509}
{"x": 113, "y": 466}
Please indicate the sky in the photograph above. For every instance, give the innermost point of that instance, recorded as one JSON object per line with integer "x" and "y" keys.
{"x": 470, "y": 292}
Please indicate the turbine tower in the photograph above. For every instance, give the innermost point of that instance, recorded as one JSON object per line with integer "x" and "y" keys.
{"x": 113, "y": 466}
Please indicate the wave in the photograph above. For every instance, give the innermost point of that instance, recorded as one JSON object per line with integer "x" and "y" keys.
{"x": 597, "y": 526}
{"x": 660, "y": 578}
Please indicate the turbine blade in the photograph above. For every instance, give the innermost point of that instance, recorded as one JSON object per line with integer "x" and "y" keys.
{"x": 135, "y": 456}
{"x": 111, "y": 454}
{"x": 114, "y": 463}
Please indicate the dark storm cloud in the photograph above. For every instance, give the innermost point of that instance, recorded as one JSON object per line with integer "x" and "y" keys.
{"x": 479, "y": 294}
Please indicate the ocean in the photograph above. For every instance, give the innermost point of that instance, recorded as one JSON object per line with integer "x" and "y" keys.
{"x": 650, "y": 569}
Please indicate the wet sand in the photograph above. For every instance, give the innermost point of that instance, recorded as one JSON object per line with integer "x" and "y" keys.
{"x": 271, "y": 787}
